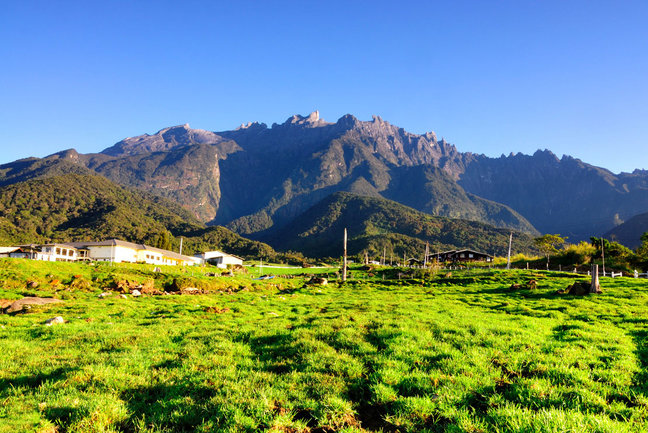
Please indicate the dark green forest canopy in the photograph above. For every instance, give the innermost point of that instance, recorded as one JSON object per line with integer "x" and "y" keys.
{"x": 76, "y": 207}
{"x": 375, "y": 224}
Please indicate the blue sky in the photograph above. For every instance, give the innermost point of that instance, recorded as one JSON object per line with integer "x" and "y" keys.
{"x": 491, "y": 77}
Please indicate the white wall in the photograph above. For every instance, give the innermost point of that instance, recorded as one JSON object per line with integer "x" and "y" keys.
{"x": 115, "y": 253}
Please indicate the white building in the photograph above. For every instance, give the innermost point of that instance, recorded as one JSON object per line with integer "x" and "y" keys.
{"x": 47, "y": 252}
{"x": 219, "y": 258}
{"x": 112, "y": 250}
{"x": 115, "y": 250}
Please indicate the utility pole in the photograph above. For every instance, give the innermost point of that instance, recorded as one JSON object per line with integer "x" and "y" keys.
{"x": 603, "y": 254}
{"x": 427, "y": 252}
{"x": 344, "y": 260}
{"x": 508, "y": 257}
{"x": 384, "y": 258}
{"x": 181, "y": 239}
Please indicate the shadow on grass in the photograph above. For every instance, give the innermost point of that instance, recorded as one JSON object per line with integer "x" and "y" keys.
{"x": 179, "y": 408}
{"x": 278, "y": 353}
{"x": 640, "y": 381}
{"x": 36, "y": 380}
{"x": 64, "y": 416}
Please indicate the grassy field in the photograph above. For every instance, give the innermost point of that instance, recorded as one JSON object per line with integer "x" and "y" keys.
{"x": 459, "y": 353}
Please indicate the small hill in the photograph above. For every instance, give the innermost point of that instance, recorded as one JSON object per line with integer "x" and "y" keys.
{"x": 75, "y": 207}
{"x": 375, "y": 223}
{"x": 629, "y": 232}
{"x": 65, "y": 162}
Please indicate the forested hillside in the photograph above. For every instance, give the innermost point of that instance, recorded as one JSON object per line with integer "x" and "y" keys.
{"x": 375, "y": 224}
{"x": 75, "y": 207}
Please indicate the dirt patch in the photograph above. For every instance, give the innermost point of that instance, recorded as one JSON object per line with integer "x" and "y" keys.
{"x": 579, "y": 288}
{"x": 216, "y": 310}
{"x": 529, "y": 285}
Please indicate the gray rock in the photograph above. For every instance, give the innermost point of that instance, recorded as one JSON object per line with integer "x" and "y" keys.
{"x": 54, "y": 321}
{"x": 26, "y": 303}
{"x": 136, "y": 293}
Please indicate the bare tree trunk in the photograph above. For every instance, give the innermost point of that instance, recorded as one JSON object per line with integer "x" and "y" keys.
{"x": 595, "y": 287}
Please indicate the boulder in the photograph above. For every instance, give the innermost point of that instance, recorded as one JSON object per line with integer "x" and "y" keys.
{"x": 579, "y": 288}
{"x": 318, "y": 280}
{"x": 25, "y": 304}
{"x": 190, "y": 291}
{"x": 136, "y": 293}
{"x": 54, "y": 321}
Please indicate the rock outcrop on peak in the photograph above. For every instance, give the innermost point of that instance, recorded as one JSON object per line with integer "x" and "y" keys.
{"x": 311, "y": 121}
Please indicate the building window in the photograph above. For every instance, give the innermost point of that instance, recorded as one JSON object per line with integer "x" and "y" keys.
{"x": 58, "y": 251}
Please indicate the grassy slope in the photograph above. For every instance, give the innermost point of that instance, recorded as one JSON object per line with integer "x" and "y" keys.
{"x": 452, "y": 354}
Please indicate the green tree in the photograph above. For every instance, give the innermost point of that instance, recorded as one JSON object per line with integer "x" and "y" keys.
{"x": 164, "y": 240}
{"x": 549, "y": 244}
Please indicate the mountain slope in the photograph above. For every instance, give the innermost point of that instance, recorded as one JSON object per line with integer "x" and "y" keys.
{"x": 292, "y": 166}
{"x": 65, "y": 162}
{"x": 376, "y": 223}
{"x": 256, "y": 178}
{"x": 73, "y": 207}
{"x": 564, "y": 196}
{"x": 629, "y": 233}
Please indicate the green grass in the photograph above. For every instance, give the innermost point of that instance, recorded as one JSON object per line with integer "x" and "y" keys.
{"x": 277, "y": 269}
{"x": 459, "y": 353}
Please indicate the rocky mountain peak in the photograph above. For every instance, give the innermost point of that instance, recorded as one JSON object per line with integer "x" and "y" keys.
{"x": 251, "y": 126}
{"x": 347, "y": 121}
{"x": 313, "y": 120}
{"x": 69, "y": 154}
{"x": 163, "y": 140}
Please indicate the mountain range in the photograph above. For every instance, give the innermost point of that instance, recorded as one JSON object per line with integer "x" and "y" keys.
{"x": 256, "y": 180}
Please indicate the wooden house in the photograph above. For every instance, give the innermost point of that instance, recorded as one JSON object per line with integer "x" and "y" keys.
{"x": 460, "y": 256}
